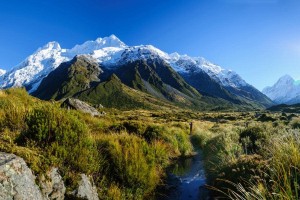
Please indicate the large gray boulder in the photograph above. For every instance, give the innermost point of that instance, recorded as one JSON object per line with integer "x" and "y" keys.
{"x": 16, "y": 180}
{"x": 76, "y": 104}
{"x": 52, "y": 185}
{"x": 86, "y": 189}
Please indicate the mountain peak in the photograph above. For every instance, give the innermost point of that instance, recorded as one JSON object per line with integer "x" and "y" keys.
{"x": 285, "y": 90}
{"x": 110, "y": 41}
{"x": 52, "y": 46}
{"x": 286, "y": 79}
{"x": 114, "y": 77}
{"x": 91, "y": 46}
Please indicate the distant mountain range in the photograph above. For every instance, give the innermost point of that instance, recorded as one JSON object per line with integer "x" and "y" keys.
{"x": 285, "y": 91}
{"x": 175, "y": 78}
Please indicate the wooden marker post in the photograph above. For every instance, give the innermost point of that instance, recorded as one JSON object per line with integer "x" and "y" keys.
{"x": 191, "y": 128}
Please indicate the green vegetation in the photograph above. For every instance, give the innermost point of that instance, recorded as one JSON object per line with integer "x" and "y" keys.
{"x": 247, "y": 155}
{"x": 70, "y": 78}
{"x": 251, "y": 159}
{"x": 295, "y": 108}
{"x": 126, "y": 153}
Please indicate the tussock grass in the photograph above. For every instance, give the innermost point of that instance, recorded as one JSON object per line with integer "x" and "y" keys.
{"x": 125, "y": 152}
{"x": 251, "y": 159}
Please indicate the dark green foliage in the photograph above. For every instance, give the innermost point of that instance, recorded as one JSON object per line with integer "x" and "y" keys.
{"x": 265, "y": 118}
{"x": 47, "y": 125}
{"x": 63, "y": 135}
{"x": 132, "y": 127}
{"x": 153, "y": 133}
{"x": 252, "y": 138}
{"x": 295, "y": 108}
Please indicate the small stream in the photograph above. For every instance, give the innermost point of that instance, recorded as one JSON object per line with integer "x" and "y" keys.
{"x": 186, "y": 179}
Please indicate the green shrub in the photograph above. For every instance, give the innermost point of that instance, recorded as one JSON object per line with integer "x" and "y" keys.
{"x": 63, "y": 137}
{"x": 13, "y": 117}
{"x": 48, "y": 124}
{"x": 132, "y": 127}
{"x": 153, "y": 132}
{"x": 252, "y": 138}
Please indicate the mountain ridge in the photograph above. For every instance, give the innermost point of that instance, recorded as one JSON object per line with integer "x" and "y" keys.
{"x": 79, "y": 78}
{"x": 111, "y": 53}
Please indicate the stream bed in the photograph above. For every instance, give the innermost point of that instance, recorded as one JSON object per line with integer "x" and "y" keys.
{"x": 186, "y": 179}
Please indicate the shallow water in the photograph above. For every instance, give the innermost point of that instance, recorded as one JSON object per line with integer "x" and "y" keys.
{"x": 186, "y": 179}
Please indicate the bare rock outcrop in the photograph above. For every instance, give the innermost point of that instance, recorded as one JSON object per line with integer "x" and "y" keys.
{"x": 76, "y": 104}
{"x": 16, "y": 180}
{"x": 52, "y": 185}
{"x": 86, "y": 189}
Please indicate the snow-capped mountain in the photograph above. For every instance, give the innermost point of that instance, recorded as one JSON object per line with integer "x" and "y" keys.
{"x": 186, "y": 64}
{"x": 286, "y": 90}
{"x": 2, "y": 72}
{"x": 111, "y": 52}
{"x": 37, "y": 66}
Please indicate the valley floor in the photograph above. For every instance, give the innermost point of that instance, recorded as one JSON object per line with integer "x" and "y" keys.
{"x": 127, "y": 154}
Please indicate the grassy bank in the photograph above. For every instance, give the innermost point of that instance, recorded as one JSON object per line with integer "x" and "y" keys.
{"x": 126, "y": 153}
{"x": 251, "y": 156}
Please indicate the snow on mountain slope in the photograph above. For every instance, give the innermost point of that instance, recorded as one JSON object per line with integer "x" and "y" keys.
{"x": 2, "y": 72}
{"x": 285, "y": 90}
{"x": 111, "y": 52}
{"x": 223, "y": 76}
{"x": 38, "y": 65}
{"x": 180, "y": 63}
{"x": 100, "y": 43}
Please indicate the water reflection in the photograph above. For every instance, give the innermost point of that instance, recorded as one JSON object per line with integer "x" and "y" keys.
{"x": 186, "y": 179}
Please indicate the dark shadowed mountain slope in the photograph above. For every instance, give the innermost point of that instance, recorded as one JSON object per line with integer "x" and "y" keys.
{"x": 69, "y": 78}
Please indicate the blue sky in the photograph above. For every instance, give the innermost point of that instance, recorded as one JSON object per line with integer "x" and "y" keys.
{"x": 259, "y": 39}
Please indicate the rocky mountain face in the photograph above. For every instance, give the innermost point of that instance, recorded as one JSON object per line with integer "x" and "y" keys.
{"x": 141, "y": 67}
{"x": 285, "y": 91}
